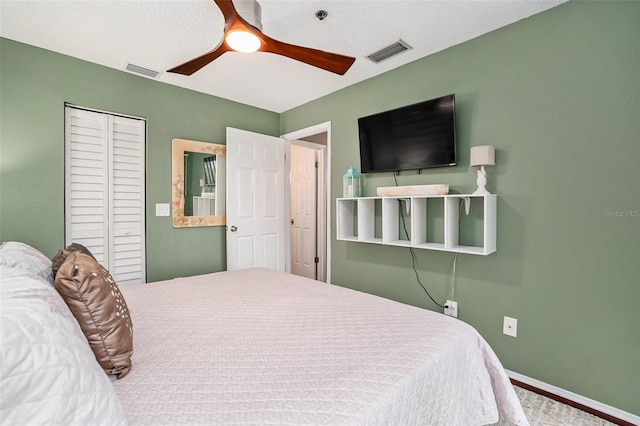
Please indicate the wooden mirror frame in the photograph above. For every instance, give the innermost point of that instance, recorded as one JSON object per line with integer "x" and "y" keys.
{"x": 178, "y": 148}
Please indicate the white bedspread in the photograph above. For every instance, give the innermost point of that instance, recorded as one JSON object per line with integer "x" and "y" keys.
{"x": 263, "y": 347}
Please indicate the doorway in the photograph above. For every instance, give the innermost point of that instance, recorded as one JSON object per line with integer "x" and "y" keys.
{"x": 307, "y": 192}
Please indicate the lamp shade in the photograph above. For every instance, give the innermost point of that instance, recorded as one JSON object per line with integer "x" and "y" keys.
{"x": 483, "y": 155}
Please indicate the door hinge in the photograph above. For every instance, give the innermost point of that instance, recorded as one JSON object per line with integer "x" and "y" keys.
{"x": 317, "y": 259}
{"x": 316, "y": 164}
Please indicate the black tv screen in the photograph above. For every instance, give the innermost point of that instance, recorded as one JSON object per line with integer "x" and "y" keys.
{"x": 418, "y": 136}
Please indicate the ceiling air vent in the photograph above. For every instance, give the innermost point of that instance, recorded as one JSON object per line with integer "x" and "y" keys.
{"x": 389, "y": 51}
{"x": 142, "y": 70}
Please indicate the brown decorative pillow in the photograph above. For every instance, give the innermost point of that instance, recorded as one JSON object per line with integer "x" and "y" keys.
{"x": 61, "y": 255}
{"x": 97, "y": 304}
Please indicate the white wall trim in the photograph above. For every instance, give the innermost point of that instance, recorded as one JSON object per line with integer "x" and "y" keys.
{"x": 588, "y": 402}
{"x": 304, "y": 133}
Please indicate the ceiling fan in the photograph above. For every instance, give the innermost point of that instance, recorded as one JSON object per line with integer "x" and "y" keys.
{"x": 244, "y": 34}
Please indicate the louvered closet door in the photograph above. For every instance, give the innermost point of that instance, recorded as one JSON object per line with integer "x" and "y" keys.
{"x": 104, "y": 196}
{"x": 86, "y": 181}
{"x": 127, "y": 200}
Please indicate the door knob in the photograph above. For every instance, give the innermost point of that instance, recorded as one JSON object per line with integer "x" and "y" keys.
{"x": 234, "y": 229}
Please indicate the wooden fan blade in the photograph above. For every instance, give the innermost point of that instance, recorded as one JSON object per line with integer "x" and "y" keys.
{"x": 228, "y": 11}
{"x": 194, "y": 65}
{"x": 338, "y": 64}
{"x": 230, "y": 17}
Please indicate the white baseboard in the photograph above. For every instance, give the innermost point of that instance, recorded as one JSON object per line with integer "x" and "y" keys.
{"x": 603, "y": 408}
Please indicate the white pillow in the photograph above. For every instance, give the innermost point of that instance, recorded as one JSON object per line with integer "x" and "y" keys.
{"x": 23, "y": 256}
{"x": 49, "y": 374}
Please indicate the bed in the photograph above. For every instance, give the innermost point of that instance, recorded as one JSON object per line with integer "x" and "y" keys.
{"x": 257, "y": 347}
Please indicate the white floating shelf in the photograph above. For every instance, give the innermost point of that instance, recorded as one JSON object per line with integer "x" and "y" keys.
{"x": 382, "y": 220}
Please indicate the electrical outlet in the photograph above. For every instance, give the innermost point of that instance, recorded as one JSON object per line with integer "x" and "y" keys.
{"x": 510, "y": 327}
{"x": 451, "y": 308}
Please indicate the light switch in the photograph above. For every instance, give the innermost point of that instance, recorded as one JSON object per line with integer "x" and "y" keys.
{"x": 162, "y": 209}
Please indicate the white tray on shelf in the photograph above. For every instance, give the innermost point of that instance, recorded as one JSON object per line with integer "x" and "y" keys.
{"x": 413, "y": 190}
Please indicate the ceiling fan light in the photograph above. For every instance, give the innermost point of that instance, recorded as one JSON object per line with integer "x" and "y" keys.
{"x": 243, "y": 41}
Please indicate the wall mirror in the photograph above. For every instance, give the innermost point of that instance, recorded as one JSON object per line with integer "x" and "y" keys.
{"x": 198, "y": 183}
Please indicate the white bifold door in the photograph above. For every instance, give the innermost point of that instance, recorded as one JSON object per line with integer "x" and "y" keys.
{"x": 104, "y": 190}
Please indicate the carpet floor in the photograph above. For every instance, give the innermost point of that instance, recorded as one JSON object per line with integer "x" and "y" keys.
{"x": 542, "y": 411}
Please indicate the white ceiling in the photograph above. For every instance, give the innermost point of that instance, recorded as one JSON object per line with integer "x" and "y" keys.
{"x": 162, "y": 34}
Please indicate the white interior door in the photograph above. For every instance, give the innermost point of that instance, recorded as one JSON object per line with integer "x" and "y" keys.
{"x": 255, "y": 201}
{"x": 303, "y": 211}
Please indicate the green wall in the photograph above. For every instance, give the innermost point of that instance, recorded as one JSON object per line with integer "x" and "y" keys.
{"x": 558, "y": 95}
{"x": 35, "y": 84}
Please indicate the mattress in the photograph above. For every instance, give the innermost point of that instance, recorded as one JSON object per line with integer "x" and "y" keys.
{"x": 262, "y": 347}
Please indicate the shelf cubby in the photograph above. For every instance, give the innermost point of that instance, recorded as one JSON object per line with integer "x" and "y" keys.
{"x": 357, "y": 219}
{"x": 429, "y": 227}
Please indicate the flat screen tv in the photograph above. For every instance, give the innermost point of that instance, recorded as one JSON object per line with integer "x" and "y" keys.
{"x": 413, "y": 137}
